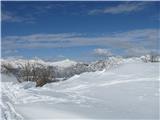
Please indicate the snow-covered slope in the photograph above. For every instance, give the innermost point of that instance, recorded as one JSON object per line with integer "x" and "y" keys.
{"x": 129, "y": 91}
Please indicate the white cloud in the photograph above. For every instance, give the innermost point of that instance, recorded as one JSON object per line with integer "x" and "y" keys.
{"x": 9, "y": 52}
{"x": 102, "y": 52}
{"x": 140, "y": 51}
{"x": 121, "y": 8}
{"x": 134, "y": 39}
{"x": 10, "y": 17}
{"x": 136, "y": 51}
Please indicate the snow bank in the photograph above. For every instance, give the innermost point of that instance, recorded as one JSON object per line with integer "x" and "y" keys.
{"x": 8, "y": 78}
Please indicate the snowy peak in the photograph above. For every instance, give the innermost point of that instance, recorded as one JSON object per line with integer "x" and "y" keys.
{"x": 64, "y": 63}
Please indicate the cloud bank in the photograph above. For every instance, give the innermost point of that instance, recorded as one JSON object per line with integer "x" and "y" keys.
{"x": 140, "y": 41}
{"x": 7, "y": 16}
{"x": 119, "y": 9}
{"x": 101, "y": 52}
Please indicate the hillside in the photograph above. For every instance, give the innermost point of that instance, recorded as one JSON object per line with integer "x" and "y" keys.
{"x": 130, "y": 90}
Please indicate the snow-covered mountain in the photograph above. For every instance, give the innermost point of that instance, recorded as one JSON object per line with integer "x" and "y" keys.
{"x": 64, "y": 63}
{"x": 68, "y": 68}
{"x": 15, "y": 62}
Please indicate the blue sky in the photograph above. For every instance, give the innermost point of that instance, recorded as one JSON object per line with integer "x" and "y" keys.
{"x": 79, "y": 30}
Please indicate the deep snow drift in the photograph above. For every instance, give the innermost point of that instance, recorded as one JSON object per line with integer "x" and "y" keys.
{"x": 130, "y": 90}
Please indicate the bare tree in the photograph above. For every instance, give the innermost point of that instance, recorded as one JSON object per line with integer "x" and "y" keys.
{"x": 154, "y": 57}
{"x": 35, "y": 72}
{"x": 44, "y": 74}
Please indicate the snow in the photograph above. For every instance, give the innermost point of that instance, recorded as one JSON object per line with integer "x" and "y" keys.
{"x": 8, "y": 78}
{"x": 64, "y": 63}
{"x": 16, "y": 62}
{"x": 128, "y": 91}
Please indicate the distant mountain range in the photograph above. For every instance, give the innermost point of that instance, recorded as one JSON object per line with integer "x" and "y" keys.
{"x": 67, "y": 68}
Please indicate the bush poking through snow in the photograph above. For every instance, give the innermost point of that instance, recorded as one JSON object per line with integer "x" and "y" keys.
{"x": 32, "y": 72}
{"x": 36, "y": 72}
{"x": 154, "y": 58}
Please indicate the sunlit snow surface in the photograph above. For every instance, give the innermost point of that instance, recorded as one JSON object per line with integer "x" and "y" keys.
{"x": 130, "y": 91}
